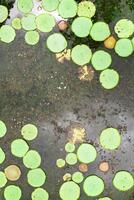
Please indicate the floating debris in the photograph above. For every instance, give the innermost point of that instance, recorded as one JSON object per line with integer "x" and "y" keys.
{"x": 66, "y": 54}
{"x": 86, "y": 73}
{"x": 62, "y": 25}
{"x": 67, "y": 177}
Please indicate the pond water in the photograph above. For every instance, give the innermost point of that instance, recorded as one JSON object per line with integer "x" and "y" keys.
{"x": 36, "y": 88}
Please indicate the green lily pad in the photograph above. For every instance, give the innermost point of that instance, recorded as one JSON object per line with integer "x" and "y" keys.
{"x": 81, "y": 26}
{"x": 2, "y": 156}
{"x": 86, "y": 9}
{"x": 16, "y": 23}
{"x": 67, "y": 8}
{"x": 71, "y": 158}
{"x": 123, "y": 181}
{"x": 3, "y": 129}
{"x": 124, "y": 47}
{"x": 29, "y": 132}
{"x": 32, "y": 37}
{"x": 93, "y": 186}
{"x": 110, "y": 138}
{"x": 36, "y": 177}
{"x": 60, "y": 163}
{"x": 56, "y": 42}
{"x": 28, "y": 22}
{"x": 45, "y": 22}
{"x": 101, "y": 60}
{"x": 69, "y": 191}
{"x": 69, "y": 147}
{"x": 124, "y": 28}
{"x": 133, "y": 41}
{"x": 81, "y": 54}
{"x": 25, "y": 6}
{"x": 3, "y": 179}
{"x": 100, "y": 31}
{"x": 19, "y": 148}
{"x": 105, "y": 198}
{"x": 109, "y": 79}
{"x": 12, "y": 192}
{"x": 3, "y": 13}
{"x": 50, "y": 5}
{"x": 40, "y": 194}
{"x": 32, "y": 159}
{"x": 86, "y": 153}
{"x": 77, "y": 177}
{"x": 7, "y": 33}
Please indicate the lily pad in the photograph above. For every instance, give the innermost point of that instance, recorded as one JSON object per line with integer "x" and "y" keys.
{"x": 123, "y": 181}
{"x": 124, "y": 47}
{"x": 19, "y": 148}
{"x": 67, "y": 8}
{"x": 109, "y": 79}
{"x": 12, "y": 192}
{"x": 12, "y": 172}
{"x": 110, "y": 138}
{"x": 69, "y": 191}
{"x": 45, "y": 22}
{"x": 32, "y": 37}
{"x": 86, "y": 153}
{"x": 36, "y": 177}
{"x": 105, "y": 198}
{"x": 93, "y": 186}
{"x": 81, "y": 26}
{"x": 100, "y": 31}
{"x": 32, "y": 159}
{"x": 2, "y": 156}
{"x": 3, "y": 129}
{"x": 81, "y": 54}
{"x": 69, "y": 147}
{"x": 101, "y": 60}
{"x": 124, "y": 28}
{"x": 28, "y": 22}
{"x": 25, "y": 6}
{"x": 50, "y": 5}
{"x": 60, "y": 163}
{"x": 3, "y": 179}
{"x": 56, "y": 42}
{"x": 77, "y": 177}
{"x": 7, "y": 33}
{"x": 16, "y": 23}
{"x": 86, "y": 9}
{"x": 29, "y": 132}
{"x": 3, "y": 13}
{"x": 40, "y": 194}
{"x": 71, "y": 158}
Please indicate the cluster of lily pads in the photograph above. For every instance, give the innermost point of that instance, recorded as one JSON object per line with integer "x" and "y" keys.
{"x": 93, "y": 186}
{"x": 36, "y": 177}
{"x": 82, "y": 26}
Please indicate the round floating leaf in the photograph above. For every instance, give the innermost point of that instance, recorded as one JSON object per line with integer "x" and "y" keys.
{"x": 67, "y": 177}
{"x": 124, "y": 28}
{"x": 100, "y": 31}
{"x": 45, "y": 22}
{"x": 3, "y": 129}
{"x": 110, "y": 138}
{"x": 12, "y": 172}
{"x": 86, "y": 153}
{"x": 105, "y": 198}
{"x": 3, "y": 179}
{"x": 124, "y": 47}
{"x": 123, "y": 181}
{"x": 56, "y": 42}
{"x": 25, "y": 6}
{"x": 36, "y": 177}
{"x": 32, "y": 159}
{"x": 81, "y": 26}
{"x": 77, "y": 177}
{"x": 12, "y": 192}
{"x": 86, "y": 9}
{"x": 40, "y": 194}
{"x": 28, "y": 22}
{"x": 93, "y": 186}
{"x": 101, "y": 60}
{"x": 69, "y": 191}
{"x": 71, "y": 158}
{"x": 3, "y": 13}
{"x": 7, "y": 33}
{"x": 50, "y": 5}
{"x": 67, "y": 8}
{"x": 2, "y": 156}
{"x": 60, "y": 163}
{"x": 29, "y": 132}
{"x": 19, "y": 148}
{"x": 109, "y": 78}
{"x": 69, "y": 147}
{"x": 16, "y": 23}
{"x": 32, "y": 37}
{"x": 81, "y": 54}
